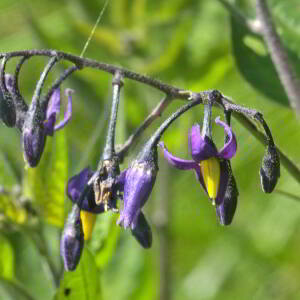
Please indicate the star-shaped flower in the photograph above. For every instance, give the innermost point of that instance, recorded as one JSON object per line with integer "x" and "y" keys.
{"x": 208, "y": 163}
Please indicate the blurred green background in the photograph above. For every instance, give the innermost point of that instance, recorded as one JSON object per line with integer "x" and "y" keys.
{"x": 193, "y": 44}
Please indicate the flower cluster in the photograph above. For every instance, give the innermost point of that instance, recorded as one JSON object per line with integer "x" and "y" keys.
{"x": 95, "y": 192}
{"x": 37, "y": 120}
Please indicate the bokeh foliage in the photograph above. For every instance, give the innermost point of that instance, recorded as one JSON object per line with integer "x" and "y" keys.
{"x": 194, "y": 44}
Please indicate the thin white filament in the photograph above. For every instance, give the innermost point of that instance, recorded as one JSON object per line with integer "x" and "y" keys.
{"x": 94, "y": 28}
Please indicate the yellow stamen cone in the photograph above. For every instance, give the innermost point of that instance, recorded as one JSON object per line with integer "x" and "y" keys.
{"x": 88, "y": 221}
{"x": 211, "y": 172}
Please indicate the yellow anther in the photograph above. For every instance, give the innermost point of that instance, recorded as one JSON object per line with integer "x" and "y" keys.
{"x": 211, "y": 172}
{"x": 88, "y": 221}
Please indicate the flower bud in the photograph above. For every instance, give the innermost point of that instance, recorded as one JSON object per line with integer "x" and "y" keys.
{"x": 33, "y": 136}
{"x": 72, "y": 240}
{"x": 139, "y": 182}
{"x": 142, "y": 232}
{"x": 270, "y": 169}
{"x": 7, "y": 109}
{"x": 226, "y": 210}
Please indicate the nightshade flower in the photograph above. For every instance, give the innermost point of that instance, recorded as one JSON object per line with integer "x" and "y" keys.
{"x": 76, "y": 184}
{"x": 89, "y": 209}
{"x": 208, "y": 163}
{"x": 39, "y": 124}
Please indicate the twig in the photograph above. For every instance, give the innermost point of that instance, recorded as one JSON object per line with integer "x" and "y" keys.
{"x": 279, "y": 56}
{"x": 85, "y": 62}
{"x": 170, "y": 91}
{"x": 156, "y": 112}
{"x": 284, "y": 160}
{"x": 109, "y": 149}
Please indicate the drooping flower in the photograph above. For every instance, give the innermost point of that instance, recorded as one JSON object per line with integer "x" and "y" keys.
{"x": 39, "y": 124}
{"x": 89, "y": 209}
{"x": 208, "y": 163}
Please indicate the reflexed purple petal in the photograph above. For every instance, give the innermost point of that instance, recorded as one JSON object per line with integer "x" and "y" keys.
{"x": 223, "y": 182}
{"x": 54, "y": 104}
{"x": 139, "y": 182}
{"x": 229, "y": 149}
{"x": 200, "y": 148}
{"x": 176, "y": 162}
{"x": 68, "y": 112}
{"x": 75, "y": 187}
{"x": 49, "y": 125}
{"x": 200, "y": 177}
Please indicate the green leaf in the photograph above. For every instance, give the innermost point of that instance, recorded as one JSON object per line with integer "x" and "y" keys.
{"x": 11, "y": 291}
{"x": 83, "y": 283}
{"x": 7, "y": 173}
{"x": 254, "y": 63}
{"x": 45, "y": 184}
{"x": 7, "y": 259}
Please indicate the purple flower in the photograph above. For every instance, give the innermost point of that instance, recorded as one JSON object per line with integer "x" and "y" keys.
{"x": 75, "y": 188}
{"x": 138, "y": 182}
{"x": 38, "y": 124}
{"x": 208, "y": 163}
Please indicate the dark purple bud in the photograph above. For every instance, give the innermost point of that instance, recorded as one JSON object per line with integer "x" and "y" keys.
{"x": 72, "y": 240}
{"x": 7, "y": 107}
{"x": 33, "y": 136}
{"x": 226, "y": 210}
{"x": 270, "y": 169}
{"x": 142, "y": 232}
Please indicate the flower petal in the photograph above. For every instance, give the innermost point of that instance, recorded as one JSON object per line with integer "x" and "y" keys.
{"x": 199, "y": 176}
{"x": 139, "y": 182}
{"x": 142, "y": 232}
{"x": 68, "y": 112}
{"x": 230, "y": 147}
{"x": 200, "y": 148}
{"x": 177, "y": 162}
{"x": 49, "y": 124}
{"x": 226, "y": 210}
{"x": 121, "y": 181}
{"x": 223, "y": 182}
{"x": 75, "y": 187}
{"x": 54, "y": 104}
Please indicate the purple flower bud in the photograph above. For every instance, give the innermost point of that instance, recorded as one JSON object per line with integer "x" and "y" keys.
{"x": 139, "y": 181}
{"x": 270, "y": 169}
{"x": 72, "y": 240}
{"x": 33, "y": 137}
{"x": 226, "y": 210}
{"x": 142, "y": 232}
